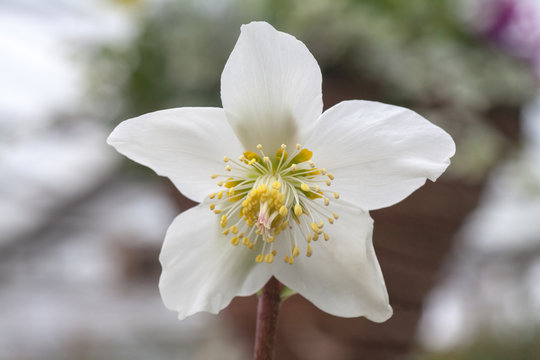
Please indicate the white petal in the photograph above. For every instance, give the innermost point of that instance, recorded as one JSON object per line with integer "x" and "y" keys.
{"x": 270, "y": 87}
{"x": 185, "y": 144}
{"x": 342, "y": 277}
{"x": 202, "y": 271}
{"x": 378, "y": 153}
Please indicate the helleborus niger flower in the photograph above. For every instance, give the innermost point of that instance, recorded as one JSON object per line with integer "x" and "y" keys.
{"x": 284, "y": 189}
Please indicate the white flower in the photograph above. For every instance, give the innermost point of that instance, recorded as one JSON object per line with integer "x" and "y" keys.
{"x": 284, "y": 188}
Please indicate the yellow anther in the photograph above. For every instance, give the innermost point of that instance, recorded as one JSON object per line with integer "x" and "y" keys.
{"x": 269, "y": 258}
{"x": 336, "y": 216}
{"x": 217, "y": 211}
{"x": 214, "y": 176}
{"x": 317, "y": 188}
{"x": 331, "y": 176}
{"x": 250, "y": 246}
{"x": 336, "y": 195}
{"x": 230, "y": 193}
{"x": 326, "y": 237}
{"x": 298, "y": 146}
{"x": 283, "y": 211}
{"x": 320, "y": 224}
{"x": 220, "y": 183}
{"x": 308, "y": 238}
{"x": 330, "y": 220}
{"x": 259, "y": 147}
{"x": 309, "y": 251}
{"x": 312, "y": 164}
{"x": 328, "y": 182}
{"x": 326, "y": 201}
{"x": 295, "y": 251}
{"x": 314, "y": 227}
{"x": 304, "y": 187}
{"x": 220, "y": 195}
{"x": 225, "y": 232}
{"x": 276, "y": 185}
{"x": 291, "y": 260}
{"x": 259, "y": 258}
{"x": 283, "y": 146}
{"x": 266, "y": 159}
{"x": 212, "y": 206}
{"x": 274, "y": 252}
{"x": 270, "y": 239}
{"x": 235, "y": 240}
{"x": 323, "y": 171}
{"x": 228, "y": 168}
{"x": 252, "y": 161}
{"x": 223, "y": 221}
{"x": 315, "y": 237}
{"x": 212, "y": 195}
{"x": 226, "y": 158}
{"x": 245, "y": 241}
{"x": 286, "y": 258}
{"x": 293, "y": 167}
{"x": 234, "y": 229}
{"x": 262, "y": 188}
{"x": 297, "y": 210}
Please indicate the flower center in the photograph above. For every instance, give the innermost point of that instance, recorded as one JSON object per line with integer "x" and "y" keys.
{"x": 265, "y": 200}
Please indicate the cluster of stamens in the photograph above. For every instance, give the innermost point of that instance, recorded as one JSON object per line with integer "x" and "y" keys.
{"x": 261, "y": 197}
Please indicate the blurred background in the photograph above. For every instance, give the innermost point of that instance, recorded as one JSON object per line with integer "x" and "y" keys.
{"x": 81, "y": 227}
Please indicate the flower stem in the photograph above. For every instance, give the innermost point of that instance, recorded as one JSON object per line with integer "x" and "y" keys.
{"x": 267, "y": 316}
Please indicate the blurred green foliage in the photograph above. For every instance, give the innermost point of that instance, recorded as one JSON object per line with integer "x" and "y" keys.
{"x": 414, "y": 53}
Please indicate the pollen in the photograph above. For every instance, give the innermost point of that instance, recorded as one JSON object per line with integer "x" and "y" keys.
{"x": 269, "y": 258}
{"x": 274, "y": 202}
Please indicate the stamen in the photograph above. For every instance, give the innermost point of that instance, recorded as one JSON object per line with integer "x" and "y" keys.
{"x": 262, "y": 194}
{"x": 269, "y": 258}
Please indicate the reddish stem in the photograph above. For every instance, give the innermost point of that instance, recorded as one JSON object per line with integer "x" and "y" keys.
{"x": 267, "y": 316}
